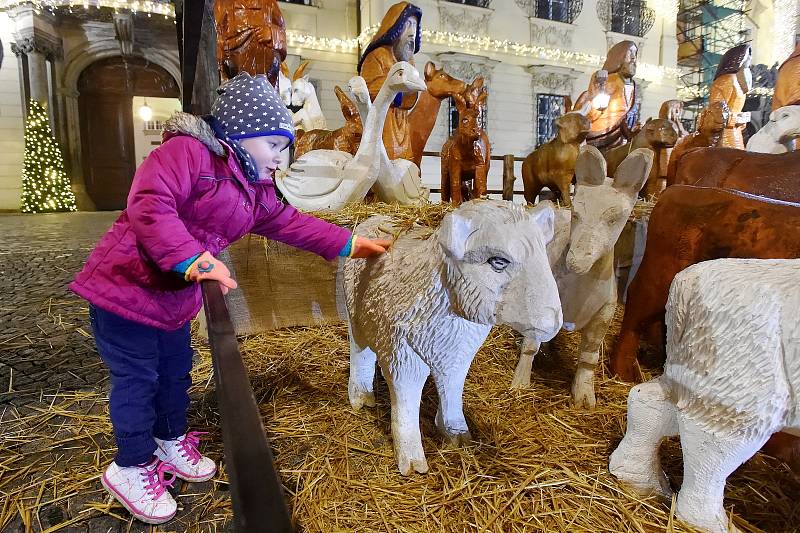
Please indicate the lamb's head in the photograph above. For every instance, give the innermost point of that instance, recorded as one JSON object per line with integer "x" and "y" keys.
{"x": 496, "y": 269}
{"x": 601, "y": 206}
{"x": 404, "y": 77}
{"x": 786, "y": 121}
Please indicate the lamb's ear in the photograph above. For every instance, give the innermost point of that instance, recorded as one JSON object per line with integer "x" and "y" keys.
{"x": 544, "y": 216}
{"x": 590, "y": 168}
{"x": 632, "y": 173}
{"x": 453, "y": 234}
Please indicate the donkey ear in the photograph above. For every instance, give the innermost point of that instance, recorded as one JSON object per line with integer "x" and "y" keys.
{"x": 590, "y": 168}
{"x": 349, "y": 110}
{"x": 453, "y": 234}
{"x": 300, "y": 71}
{"x": 285, "y": 70}
{"x": 430, "y": 70}
{"x": 632, "y": 173}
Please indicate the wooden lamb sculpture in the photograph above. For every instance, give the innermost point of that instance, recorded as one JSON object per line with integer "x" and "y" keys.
{"x": 427, "y": 306}
{"x": 582, "y": 257}
{"x": 731, "y": 380}
{"x": 329, "y": 179}
{"x": 304, "y": 95}
{"x": 783, "y": 127}
{"x": 345, "y": 139}
{"x": 552, "y": 164}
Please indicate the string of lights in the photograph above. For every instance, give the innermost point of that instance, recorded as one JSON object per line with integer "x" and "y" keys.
{"x": 45, "y": 185}
{"x": 150, "y": 7}
{"x": 474, "y": 43}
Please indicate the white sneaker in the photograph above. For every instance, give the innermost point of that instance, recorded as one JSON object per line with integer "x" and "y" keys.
{"x": 142, "y": 490}
{"x": 186, "y": 459}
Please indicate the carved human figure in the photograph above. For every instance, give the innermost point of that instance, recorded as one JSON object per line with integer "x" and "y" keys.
{"x": 787, "y": 86}
{"x": 251, "y": 37}
{"x": 731, "y": 84}
{"x": 673, "y": 110}
{"x": 397, "y": 39}
{"x": 614, "y": 124}
{"x": 710, "y": 125}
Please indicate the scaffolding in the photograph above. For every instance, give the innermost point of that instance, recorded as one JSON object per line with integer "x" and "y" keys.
{"x": 706, "y": 30}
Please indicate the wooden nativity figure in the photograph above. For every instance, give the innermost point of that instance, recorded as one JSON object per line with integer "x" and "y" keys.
{"x": 787, "y": 86}
{"x": 251, "y": 37}
{"x": 397, "y": 39}
{"x": 613, "y": 123}
{"x": 731, "y": 83}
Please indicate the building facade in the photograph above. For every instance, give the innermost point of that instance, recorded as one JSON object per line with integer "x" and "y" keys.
{"x": 97, "y": 67}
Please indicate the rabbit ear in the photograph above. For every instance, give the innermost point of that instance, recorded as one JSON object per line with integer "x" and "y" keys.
{"x": 300, "y": 71}
{"x": 461, "y": 104}
{"x": 349, "y": 109}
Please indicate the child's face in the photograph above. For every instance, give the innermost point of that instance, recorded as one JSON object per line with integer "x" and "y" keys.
{"x": 266, "y": 152}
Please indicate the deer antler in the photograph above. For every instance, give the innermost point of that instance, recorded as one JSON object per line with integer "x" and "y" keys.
{"x": 300, "y": 71}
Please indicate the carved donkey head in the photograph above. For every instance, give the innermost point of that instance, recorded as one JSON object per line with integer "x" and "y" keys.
{"x": 601, "y": 206}
{"x": 496, "y": 269}
{"x": 469, "y": 105}
{"x": 441, "y": 84}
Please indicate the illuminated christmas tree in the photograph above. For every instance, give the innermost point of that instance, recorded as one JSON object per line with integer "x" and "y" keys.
{"x": 45, "y": 186}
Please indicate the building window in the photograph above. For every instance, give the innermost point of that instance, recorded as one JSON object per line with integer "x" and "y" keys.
{"x": 476, "y": 3}
{"x": 548, "y": 108}
{"x": 452, "y": 117}
{"x": 630, "y": 17}
{"x": 559, "y": 10}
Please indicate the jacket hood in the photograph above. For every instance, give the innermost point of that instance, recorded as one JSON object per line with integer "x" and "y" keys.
{"x": 187, "y": 124}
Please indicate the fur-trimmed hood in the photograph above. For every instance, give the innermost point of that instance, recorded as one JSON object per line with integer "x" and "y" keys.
{"x": 187, "y": 124}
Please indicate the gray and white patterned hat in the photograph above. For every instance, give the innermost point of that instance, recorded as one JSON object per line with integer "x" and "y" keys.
{"x": 248, "y": 106}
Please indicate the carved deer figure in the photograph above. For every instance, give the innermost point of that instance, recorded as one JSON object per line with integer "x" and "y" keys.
{"x": 466, "y": 155}
{"x": 344, "y": 139}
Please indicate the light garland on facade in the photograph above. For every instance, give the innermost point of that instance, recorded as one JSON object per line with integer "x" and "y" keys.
{"x": 474, "y": 43}
{"x": 149, "y": 7}
{"x": 692, "y": 93}
{"x": 45, "y": 186}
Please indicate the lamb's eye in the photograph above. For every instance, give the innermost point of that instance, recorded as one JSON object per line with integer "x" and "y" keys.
{"x": 498, "y": 264}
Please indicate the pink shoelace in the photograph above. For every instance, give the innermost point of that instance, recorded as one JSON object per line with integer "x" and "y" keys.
{"x": 188, "y": 446}
{"x": 157, "y": 481}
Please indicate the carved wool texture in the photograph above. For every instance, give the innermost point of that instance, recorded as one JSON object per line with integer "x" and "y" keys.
{"x": 733, "y": 344}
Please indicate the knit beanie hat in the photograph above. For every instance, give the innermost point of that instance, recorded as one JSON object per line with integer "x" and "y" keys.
{"x": 248, "y": 106}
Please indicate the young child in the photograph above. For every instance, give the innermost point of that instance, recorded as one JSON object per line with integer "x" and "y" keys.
{"x": 206, "y": 186}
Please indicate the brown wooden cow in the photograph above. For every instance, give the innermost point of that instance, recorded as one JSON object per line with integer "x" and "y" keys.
{"x": 772, "y": 175}
{"x": 693, "y": 224}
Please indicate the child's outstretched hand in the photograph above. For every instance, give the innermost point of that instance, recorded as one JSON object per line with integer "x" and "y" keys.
{"x": 363, "y": 247}
{"x": 209, "y": 267}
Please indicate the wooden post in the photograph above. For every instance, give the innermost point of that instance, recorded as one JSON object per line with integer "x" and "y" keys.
{"x": 197, "y": 50}
{"x": 508, "y": 177}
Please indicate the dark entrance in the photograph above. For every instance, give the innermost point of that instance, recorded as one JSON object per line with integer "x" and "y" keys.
{"x": 107, "y": 88}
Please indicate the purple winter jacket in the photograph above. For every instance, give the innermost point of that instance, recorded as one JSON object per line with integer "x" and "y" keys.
{"x": 185, "y": 200}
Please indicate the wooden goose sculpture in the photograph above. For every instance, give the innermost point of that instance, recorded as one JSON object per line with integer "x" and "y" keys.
{"x": 399, "y": 179}
{"x": 329, "y": 179}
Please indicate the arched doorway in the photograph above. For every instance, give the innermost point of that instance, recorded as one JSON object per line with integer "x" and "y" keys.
{"x": 105, "y": 104}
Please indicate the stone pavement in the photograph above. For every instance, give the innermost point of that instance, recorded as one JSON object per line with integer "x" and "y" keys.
{"x": 45, "y": 341}
{"x": 55, "y": 436}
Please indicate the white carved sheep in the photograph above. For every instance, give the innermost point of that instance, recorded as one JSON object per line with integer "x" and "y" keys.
{"x": 731, "y": 379}
{"x": 427, "y": 306}
{"x": 783, "y": 127}
{"x": 582, "y": 257}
